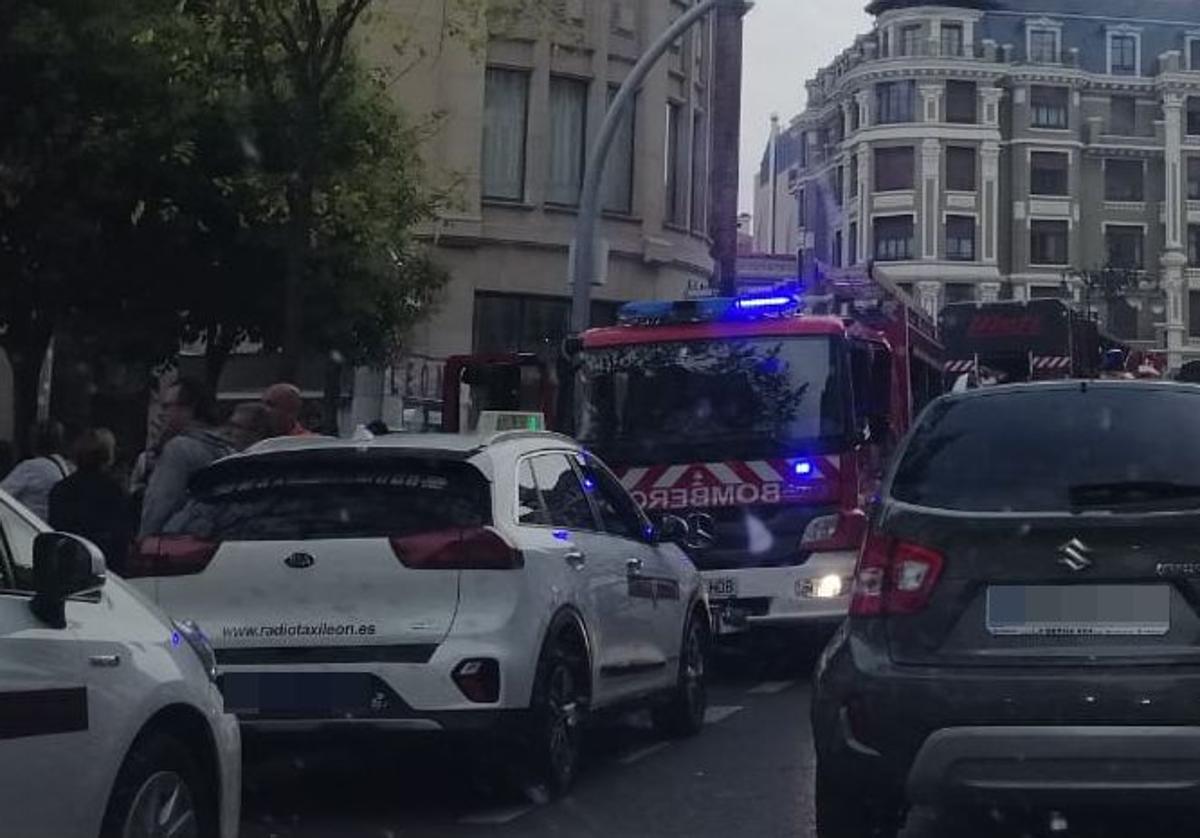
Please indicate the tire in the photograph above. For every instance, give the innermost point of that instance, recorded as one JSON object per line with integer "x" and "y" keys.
{"x": 161, "y": 778}
{"x": 555, "y": 741}
{"x": 683, "y": 714}
{"x": 848, "y": 810}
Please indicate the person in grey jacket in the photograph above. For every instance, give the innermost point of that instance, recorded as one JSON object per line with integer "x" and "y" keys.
{"x": 31, "y": 481}
{"x": 194, "y": 448}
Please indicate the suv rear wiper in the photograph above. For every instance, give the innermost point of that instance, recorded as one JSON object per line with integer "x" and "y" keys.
{"x": 1130, "y": 492}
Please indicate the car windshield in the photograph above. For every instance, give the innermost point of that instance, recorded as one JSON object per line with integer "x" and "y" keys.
{"x": 302, "y": 502}
{"x": 757, "y": 394}
{"x": 1055, "y": 450}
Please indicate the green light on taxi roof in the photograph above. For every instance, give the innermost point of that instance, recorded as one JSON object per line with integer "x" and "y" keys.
{"x": 533, "y": 423}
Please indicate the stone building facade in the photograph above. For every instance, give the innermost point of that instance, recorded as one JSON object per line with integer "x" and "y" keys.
{"x": 1012, "y": 149}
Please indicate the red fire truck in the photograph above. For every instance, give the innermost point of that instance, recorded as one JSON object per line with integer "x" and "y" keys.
{"x": 764, "y": 428}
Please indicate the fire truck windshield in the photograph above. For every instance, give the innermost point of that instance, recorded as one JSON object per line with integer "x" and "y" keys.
{"x": 734, "y": 397}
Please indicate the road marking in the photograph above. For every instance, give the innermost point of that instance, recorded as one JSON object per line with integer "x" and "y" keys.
{"x": 719, "y": 714}
{"x": 771, "y": 687}
{"x": 641, "y": 753}
{"x": 496, "y": 817}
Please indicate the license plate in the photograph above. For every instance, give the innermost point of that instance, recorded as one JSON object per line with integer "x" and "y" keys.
{"x": 1079, "y": 610}
{"x": 319, "y": 694}
{"x": 722, "y": 587}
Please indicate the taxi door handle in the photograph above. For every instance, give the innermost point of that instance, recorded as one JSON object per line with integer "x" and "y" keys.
{"x": 105, "y": 661}
{"x": 576, "y": 559}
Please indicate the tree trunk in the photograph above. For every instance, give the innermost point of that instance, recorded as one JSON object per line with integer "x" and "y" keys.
{"x": 332, "y": 400}
{"x": 300, "y": 205}
{"x": 217, "y": 349}
{"x": 26, "y": 359}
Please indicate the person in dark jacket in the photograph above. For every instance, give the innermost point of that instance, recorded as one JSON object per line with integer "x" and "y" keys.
{"x": 90, "y": 502}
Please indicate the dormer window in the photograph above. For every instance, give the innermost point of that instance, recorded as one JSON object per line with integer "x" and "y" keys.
{"x": 1043, "y": 41}
{"x": 1124, "y": 51}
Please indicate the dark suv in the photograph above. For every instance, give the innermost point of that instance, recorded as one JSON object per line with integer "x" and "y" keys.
{"x": 1024, "y": 626}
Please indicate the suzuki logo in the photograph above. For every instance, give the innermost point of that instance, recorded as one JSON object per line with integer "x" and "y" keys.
{"x": 299, "y": 561}
{"x": 1075, "y": 555}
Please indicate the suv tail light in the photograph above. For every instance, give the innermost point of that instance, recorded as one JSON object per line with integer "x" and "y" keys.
{"x": 479, "y": 680}
{"x": 893, "y": 577}
{"x": 477, "y": 549}
{"x": 170, "y": 555}
{"x": 843, "y": 531}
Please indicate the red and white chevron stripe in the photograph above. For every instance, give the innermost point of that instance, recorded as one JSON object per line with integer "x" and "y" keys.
{"x": 1051, "y": 362}
{"x": 732, "y": 483}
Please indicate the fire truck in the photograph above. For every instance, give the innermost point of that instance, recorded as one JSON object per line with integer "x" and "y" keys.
{"x": 1037, "y": 340}
{"x": 766, "y": 429}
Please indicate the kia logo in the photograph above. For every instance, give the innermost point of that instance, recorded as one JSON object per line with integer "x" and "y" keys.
{"x": 299, "y": 561}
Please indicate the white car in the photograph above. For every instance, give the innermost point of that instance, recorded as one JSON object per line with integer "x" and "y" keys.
{"x": 111, "y": 723}
{"x": 429, "y": 583}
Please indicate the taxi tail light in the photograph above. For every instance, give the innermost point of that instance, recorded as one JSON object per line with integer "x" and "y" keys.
{"x": 479, "y": 680}
{"x": 893, "y": 577}
{"x": 169, "y": 555}
{"x": 475, "y": 549}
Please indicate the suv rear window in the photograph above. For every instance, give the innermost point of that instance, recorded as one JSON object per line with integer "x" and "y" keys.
{"x": 1056, "y": 449}
{"x": 397, "y": 498}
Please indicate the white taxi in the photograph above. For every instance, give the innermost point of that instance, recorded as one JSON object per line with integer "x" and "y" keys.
{"x": 110, "y": 720}
{"x": 433, "y": 583}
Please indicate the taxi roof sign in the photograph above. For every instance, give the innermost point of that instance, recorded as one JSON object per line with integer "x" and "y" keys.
{"x": 498, "y": 421}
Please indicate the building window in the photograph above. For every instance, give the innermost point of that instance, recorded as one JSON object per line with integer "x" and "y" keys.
{"x": 835, "y": 257}
{"x": 1193, "y": 115}
{"x": 893, "y": 168}
{"x": 910, "y": 40}
{"x": 962, "y": 100}
{"x": 803, "y": 141}
{"x": 1123, "y": 55}
{"x": 1048, "y": 173}
{"x": 568, "y": 130}
{"x": 853, "y": 243}
{"x": 1194, "y": 245}
{"x": 618, "y": 174}
{"x": 1194, "y": 54}
{"x": 699, "y": 215}
{"x": 895, "y": 101}
{"x": 1048, "y": 107}
{"x": 1043, "y": 46}
{"x": 854, "y": 175}
{"x": 1193, "y": 178}
{"x": 1123, "y": 246}
{"x": 1049, "y": 243}
{"x": 894, "y": 238}
{"x": 671, "y": 181}
{"x": 960, "y": 238}
{"x": 526, "y": 323}
{"x": 1194, "y": 314}
{"x": 960, "y": 168}
{"x": 855, "y": 116}
{"x": 885, "y": 44}
{"x": 1124, "y": 180}
{"x": 801, "y": 209}
{"x": 506, "y": 98}
{"x": 959, "y": 292}
{"x": 839, "y": 189}
{"x": 952, "y": 39}
{"x": 1122, "y": 116}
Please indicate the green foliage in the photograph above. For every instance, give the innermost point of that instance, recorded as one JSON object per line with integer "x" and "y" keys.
{"x": 149, "y": 173}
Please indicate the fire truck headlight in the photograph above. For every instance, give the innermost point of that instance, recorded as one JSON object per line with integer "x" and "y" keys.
{"x": 828, "y": 587}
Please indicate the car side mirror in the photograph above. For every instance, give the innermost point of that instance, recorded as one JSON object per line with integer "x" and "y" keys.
{"x": 64, "y": 566}
{"x": 673, "y": 530}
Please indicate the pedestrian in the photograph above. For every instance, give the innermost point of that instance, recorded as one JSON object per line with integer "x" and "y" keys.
{"x": 190, "y": 414}
{"x": 285, "y": 403}
{"x": 192, "y": 450}
{"x": 30, "y": 481}
{"x": 90, "y": 502}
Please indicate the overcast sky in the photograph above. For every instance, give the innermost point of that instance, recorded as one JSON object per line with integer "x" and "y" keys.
{"x": 787, "y": 41}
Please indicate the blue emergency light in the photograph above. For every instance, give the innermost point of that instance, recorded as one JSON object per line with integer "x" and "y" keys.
{"x": 802, "y": 468}
{"x": 710, "y": 310}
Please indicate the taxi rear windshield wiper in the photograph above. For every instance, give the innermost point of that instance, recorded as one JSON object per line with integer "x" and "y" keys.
{"x": 1130, "y": 492}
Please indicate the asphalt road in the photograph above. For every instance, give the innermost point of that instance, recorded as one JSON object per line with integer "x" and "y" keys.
{"x": 748, "y": 775}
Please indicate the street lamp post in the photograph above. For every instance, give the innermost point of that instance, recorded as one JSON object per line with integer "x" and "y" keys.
{"x": 584, "y": 272}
